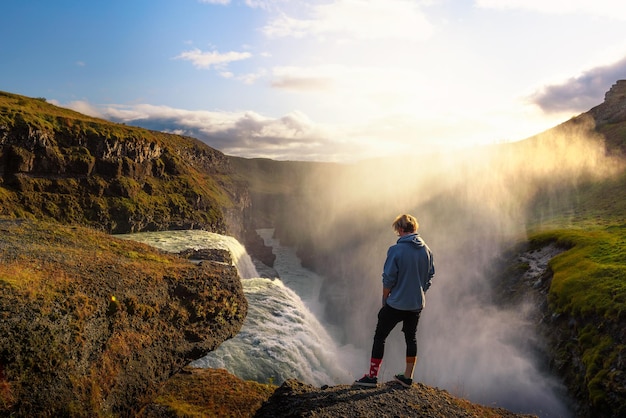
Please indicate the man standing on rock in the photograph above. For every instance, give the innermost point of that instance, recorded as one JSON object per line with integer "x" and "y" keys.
{"x": 407, "y": 275}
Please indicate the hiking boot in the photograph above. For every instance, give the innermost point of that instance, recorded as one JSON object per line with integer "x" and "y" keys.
{"x": 404, "y": 381}
{"x": 370, "y": 382}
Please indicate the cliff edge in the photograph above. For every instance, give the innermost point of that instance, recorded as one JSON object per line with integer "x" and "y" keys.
{"x": 93, "y": 325}
{"x": 296, "y": 399}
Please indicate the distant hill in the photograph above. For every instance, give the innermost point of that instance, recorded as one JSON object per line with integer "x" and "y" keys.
{"x": 62, "y": 165}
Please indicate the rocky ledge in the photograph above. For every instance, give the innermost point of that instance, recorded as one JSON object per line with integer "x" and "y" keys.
{"x": 217, "y": 393}
{"x": 296, "y": 399}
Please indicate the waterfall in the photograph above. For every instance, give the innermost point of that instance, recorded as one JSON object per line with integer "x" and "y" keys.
{"x": 281, "y": 338}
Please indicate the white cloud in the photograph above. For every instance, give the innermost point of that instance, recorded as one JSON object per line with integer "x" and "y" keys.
{"x": 354, "y": 92}
{"x": 304, "y": 79}
{"x": 286, "y": 26}
{"x": 604, "y": 8}
{"x": 82, "y": 107}
{"x": 250, "y": 78}
{"x": 356, "y": 19}
{"x": 249, "y": 134}
{"x": 257, "y": 4}
{"x": 206, "y": 60}
{"x": 373, "y": 92}
{"x": 295, "y": 136}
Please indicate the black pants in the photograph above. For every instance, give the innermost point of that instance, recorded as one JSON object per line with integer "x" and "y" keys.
{"x": 388, "y": 318}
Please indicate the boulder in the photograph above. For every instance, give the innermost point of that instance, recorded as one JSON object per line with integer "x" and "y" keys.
{"x": 93, "y": 325}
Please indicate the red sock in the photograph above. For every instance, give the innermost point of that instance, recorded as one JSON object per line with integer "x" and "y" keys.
{"x": 374, "y": 366}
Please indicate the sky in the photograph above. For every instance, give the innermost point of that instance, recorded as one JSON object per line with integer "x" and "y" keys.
{"x": 331, "y": 80}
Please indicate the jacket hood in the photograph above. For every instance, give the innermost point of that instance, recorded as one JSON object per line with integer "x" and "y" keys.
{"x": 414, "y": 239}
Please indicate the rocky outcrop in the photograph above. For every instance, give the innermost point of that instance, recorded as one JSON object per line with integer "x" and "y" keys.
{"x": 92, "y": 325}
{"x": 610, "y": 117}
{"x": 296, "y": 399}
{"x": 613, "y": 109}
{"x": 62, "y": 165}
{"x": 256, "y": 248}
{"x": 213, "y": 254}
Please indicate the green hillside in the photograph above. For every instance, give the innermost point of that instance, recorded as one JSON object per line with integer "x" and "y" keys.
{"x": 589, "y": 283}
{"x": 588, "y": 293}
{"x": 62, "y": 165}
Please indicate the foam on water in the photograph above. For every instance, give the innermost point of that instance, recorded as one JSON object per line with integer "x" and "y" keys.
{"x": 176, "y": 241}
{"x": 280, "y": 339}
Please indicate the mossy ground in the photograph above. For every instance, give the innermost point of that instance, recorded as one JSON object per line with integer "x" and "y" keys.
{"x": 589, "y": 285}
{"x": 98, "y": 321}
{"x": 210, "y": 393}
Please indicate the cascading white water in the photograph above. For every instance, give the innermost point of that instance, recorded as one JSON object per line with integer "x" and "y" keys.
{"x": 176, "y": 241}
{"x": 281, "y": 338}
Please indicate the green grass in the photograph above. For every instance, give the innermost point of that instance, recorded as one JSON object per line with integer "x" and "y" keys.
{"x": 589, "y": 278}
{"x": 589, "y": 287}
{"x": 190, "y": 395}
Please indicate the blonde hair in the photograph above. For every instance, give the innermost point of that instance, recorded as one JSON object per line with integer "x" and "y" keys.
{"x": 405, "y": 223}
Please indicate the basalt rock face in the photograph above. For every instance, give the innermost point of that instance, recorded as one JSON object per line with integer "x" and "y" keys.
{"x": 613, "y": 109}
{"x": 62, "y": 165}
{"x": 92, "y": 325}
{"x": 610, "y": 117}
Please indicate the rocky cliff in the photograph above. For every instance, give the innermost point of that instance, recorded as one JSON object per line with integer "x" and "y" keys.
{"x": 62, "y": 165}
{"x": 92, "y": 325}
{"x": 613, "y": 109}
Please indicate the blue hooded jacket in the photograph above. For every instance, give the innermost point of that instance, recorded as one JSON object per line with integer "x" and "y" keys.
{"x": 408, "y": 272}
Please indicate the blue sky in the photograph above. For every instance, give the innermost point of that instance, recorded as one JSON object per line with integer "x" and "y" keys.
{"x": 332, "y": 80}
